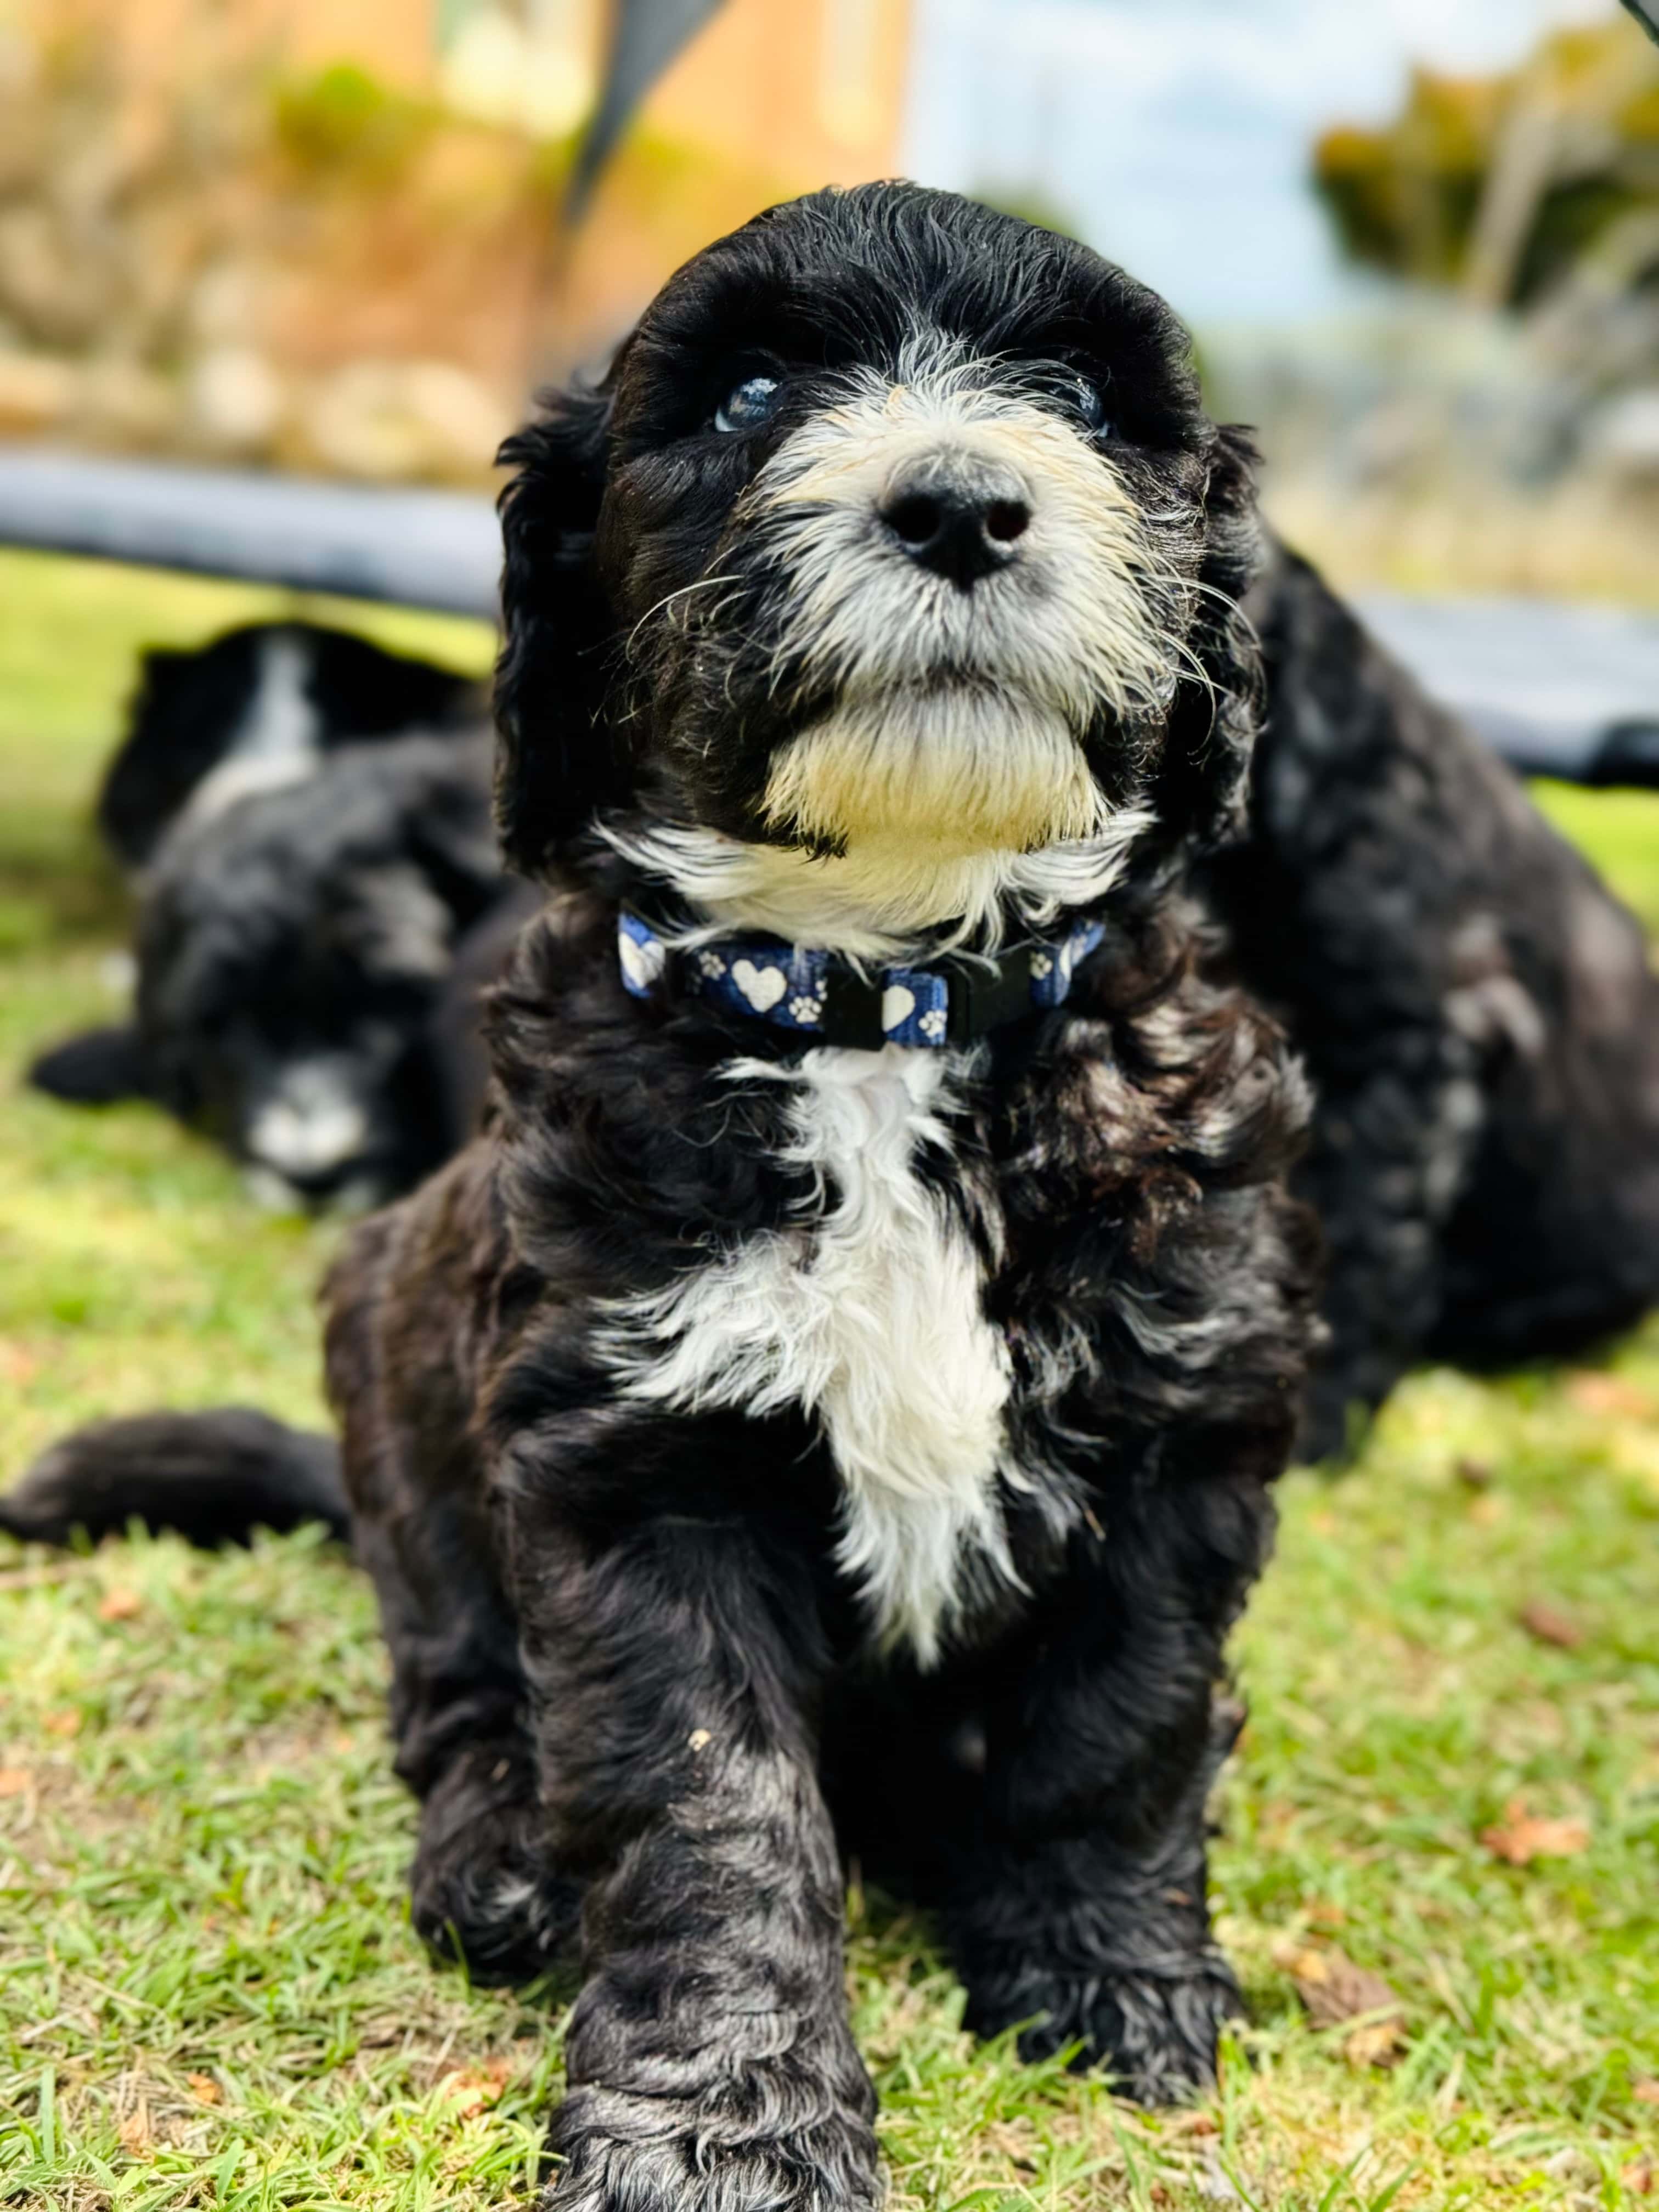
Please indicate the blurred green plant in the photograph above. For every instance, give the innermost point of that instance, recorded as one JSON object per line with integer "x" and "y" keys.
{"x": 1499, "y": 185}
{"x": 341, "y": 122}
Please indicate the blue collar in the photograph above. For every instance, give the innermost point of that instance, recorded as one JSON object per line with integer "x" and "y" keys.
{"x": 822, "y": 995}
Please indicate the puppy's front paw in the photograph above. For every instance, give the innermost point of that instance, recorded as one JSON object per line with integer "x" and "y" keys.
{"x": 762, "y": 2144}
{"x": 1154, "y": 2031}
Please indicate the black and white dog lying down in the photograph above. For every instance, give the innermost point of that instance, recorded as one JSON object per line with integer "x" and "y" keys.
{"x": 832, "y": 1409}
{"x": 315, "y": 920}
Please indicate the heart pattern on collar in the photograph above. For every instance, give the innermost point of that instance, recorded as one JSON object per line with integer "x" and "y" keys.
{"x": 790, "y": 985}
{"x": 762, "y": 987}
{"x": 898, "y": 1003}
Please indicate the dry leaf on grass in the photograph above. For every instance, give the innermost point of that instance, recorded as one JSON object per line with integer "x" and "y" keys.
{"x": 135, "y": 2131}
{"x": 66, "y": 1722}
{"x": 1611, "y": 1396}
{"x": 471, "y": 2089}
{"x": 1336, "y": 1990}
{"x": 1475, "y": 1474}
{"x": 1522, "y": 1837}
{"x": 119, "y": 1604}
{"x": 1275, "y": 1819}
{"x": 15, "y": 1782}
{"x": 1192, "y": 2124}
{"x": 1638, "y": 2177}
{"x": 1646, "y": 2092}
{"x": 203, "y": 2088}
{"x": 16, "y": 1364}
{"x": 1549, "y": 1623}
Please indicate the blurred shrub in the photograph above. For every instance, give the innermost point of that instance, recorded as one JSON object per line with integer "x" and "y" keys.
{"x": 1404, "y": 198}
{"x": 343, "y": 123}
{"x": 1499, "y": 185}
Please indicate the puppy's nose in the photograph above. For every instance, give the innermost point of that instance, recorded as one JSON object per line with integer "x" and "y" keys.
{"x": 963, "y": 522}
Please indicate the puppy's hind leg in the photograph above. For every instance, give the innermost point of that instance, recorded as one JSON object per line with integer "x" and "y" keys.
{"x": 483, "y": 1888}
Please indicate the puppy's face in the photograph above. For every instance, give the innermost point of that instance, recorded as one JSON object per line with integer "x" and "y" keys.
{"x": 907, "y": 554}
{"x": 292, "y": 952}
{"x": 293, "y": 1036}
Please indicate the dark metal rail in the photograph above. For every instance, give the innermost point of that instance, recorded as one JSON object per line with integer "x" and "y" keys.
{"x": 1549, "y": 683}
{"x": 420, "y": 549}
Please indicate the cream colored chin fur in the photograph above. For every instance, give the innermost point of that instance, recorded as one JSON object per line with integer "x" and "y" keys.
{"x": 874, "y": 903}
{"x": 945, "y": 772}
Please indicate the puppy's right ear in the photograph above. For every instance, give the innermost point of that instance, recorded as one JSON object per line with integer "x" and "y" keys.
{"x": 557, "y": 763}
{"x": 96, "y": 1068}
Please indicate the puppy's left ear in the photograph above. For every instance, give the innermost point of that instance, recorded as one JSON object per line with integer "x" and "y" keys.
{"x": 1203, "y": 788}
{"x": 557, "y": 761}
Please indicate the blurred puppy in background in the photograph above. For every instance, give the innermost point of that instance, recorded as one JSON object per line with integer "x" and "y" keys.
{"x": 1476, "y": 1010}
{"x": 319, "y": 907}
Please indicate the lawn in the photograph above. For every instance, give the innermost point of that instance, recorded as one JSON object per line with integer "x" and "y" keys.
{"x": 208, "y": 1992}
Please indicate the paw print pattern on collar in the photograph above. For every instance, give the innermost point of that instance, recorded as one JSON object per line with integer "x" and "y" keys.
{"x": 821, "y": 994}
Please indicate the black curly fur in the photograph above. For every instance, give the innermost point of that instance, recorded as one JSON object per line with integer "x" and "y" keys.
{"x": 1476, "y": 1011}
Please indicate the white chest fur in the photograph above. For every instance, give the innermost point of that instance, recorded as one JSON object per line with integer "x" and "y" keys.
{"x": 866, "y": 1311}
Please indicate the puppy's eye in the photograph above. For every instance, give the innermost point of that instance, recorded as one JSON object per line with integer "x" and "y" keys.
{"x": 748, "y": 404}
{"x": 1089, "y": 402}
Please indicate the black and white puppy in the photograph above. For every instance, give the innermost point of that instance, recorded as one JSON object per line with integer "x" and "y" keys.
{"x": 259, "y": 707}
{"x": 834, "y": 1406}
{"x": 300, "y": 952}
{"x": 307, "y": 819}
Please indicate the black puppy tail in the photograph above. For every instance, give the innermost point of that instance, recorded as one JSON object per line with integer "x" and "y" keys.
{"x": 213, "y": 1477}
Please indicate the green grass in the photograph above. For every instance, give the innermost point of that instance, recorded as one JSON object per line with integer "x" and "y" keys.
{"x": 1621, "y": 833}
{"x": 208, "y": 1993}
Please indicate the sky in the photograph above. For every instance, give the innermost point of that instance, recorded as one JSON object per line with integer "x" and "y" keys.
{"x": 1174, "y": 134}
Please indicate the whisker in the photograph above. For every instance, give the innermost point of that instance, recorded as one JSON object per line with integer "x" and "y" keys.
{"x": 703, "y": 584}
